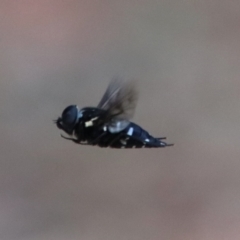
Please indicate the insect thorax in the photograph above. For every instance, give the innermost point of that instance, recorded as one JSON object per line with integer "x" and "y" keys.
{"x": 88, "y": 125}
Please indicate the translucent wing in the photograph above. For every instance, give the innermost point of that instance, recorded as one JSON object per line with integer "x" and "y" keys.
{"x": 119, "y": 101}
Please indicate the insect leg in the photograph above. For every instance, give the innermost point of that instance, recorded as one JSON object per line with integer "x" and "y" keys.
{"x": 169, "y": 144}
{"x": 72, "y": 139}
{"x": 96, "y": 140}
{"x": 115, "y": 139}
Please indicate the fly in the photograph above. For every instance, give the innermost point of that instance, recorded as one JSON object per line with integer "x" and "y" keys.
{"x": 108, "y": 124}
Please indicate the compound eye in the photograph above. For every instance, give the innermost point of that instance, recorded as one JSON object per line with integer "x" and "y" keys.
{"x": 69, "y": 116}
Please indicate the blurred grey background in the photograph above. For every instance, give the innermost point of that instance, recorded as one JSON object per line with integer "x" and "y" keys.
{"x": 186, "y": 58}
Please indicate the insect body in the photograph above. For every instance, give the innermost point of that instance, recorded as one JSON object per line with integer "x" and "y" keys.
{"x": 108, "y": 124}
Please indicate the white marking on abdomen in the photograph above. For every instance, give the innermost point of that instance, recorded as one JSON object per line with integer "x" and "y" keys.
{"x": 124, "y": 142}
{"x": 130, "y": 131}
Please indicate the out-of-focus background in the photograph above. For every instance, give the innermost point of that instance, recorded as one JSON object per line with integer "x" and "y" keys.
{"x": 186, "y": 58}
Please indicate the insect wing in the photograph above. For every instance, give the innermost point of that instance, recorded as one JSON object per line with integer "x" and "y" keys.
{"x": 120, "y": 99}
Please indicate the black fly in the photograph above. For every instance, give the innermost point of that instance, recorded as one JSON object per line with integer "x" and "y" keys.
{"x": 108, "y": 124}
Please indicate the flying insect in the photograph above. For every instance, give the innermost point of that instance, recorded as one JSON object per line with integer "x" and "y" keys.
{"x": 108, "y": 124}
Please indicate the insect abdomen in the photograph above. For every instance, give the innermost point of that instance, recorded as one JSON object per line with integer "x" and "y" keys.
{"x": 131, "y": 137}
